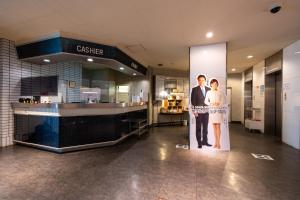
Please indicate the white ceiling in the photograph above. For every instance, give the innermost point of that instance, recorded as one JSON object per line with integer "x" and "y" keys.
{"x": 158, "y": 31}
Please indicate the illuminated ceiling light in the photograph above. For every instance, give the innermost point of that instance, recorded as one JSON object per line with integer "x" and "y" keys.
{"x": 121, "y": 68}
{"x": 233, "y": 69}
{"x": 163, "y": 94}
{"x": 209, "y": 34}
{"x": 134, "y": 74}
{"x": 46, "y": 60}
{"x": 297, "y": 52}
{"x": 90, "y": 60}
{"x": 250, "y": 56}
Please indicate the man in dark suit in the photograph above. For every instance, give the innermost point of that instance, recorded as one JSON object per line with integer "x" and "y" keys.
{"x": 197, "y": 99}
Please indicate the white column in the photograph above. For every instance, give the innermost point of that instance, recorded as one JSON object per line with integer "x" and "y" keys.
{"x": 291, "y": 95}
{"x": 209, "y": 60}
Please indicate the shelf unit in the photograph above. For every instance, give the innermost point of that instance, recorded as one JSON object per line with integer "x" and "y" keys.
{"x": 175, "y": 105}
{"x": 140, "y": 125}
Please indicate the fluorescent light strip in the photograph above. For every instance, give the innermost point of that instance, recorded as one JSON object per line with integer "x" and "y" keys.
{"x": 90, "y": 92}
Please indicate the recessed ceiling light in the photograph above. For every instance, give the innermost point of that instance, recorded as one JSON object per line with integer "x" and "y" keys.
{"x": 297, "y": 52}
{"x": 233, "y": 69}
{"x": 250, "y": 56}
{"x": 134, "y": 74}
{"x": 209, "y": 34}
{"x": 90, "y": 60}
{"x": 46, "y": 60}
{"x": 121, "y": 68}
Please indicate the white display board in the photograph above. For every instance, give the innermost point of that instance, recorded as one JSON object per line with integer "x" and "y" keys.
{"x": 208, "y": 104}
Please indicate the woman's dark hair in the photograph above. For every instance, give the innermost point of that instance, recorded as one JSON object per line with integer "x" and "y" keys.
{"x": 214, "y": 81}
{"x": 201, "y": 76}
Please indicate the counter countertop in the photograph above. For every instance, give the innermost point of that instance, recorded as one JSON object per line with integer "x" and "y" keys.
{"x": 75, "y": 105}
{"x": 75, "y": 109}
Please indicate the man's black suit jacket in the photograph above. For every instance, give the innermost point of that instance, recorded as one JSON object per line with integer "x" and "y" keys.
{"x": 197, "y": 98}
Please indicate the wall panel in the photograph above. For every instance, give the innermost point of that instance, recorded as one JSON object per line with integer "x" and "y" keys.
{"x": 11, "y": 72}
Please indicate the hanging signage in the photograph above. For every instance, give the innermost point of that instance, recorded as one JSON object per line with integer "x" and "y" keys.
{"x": 87, "y": 48}
{"x": 133, "y": 65}
{"x": 61, "y": 45}
{"x": 208, "y": 106}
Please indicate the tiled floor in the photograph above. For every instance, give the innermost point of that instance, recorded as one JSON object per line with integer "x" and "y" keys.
{"x": 152, "y": 168}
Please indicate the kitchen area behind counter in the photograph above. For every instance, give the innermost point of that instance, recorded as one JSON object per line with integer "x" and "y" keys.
{"x": 60, "y": 113}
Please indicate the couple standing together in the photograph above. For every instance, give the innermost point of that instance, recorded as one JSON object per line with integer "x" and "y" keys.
{"x": 202, "y": 97}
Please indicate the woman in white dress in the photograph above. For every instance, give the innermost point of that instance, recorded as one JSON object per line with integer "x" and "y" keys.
{"x": 215, "y": 99}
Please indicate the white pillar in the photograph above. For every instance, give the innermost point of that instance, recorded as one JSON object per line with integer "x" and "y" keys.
{"x": 208, "y": 60}
{"x": 291, "y": 95}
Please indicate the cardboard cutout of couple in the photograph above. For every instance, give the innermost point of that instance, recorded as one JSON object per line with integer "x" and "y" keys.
{"x": 208, "y": 106}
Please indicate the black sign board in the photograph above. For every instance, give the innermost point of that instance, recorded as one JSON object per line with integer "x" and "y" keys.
{"x": 78, "y": 47}
{"x": 86, "y": 48}
{"x": 126, "y": 60}
{"x": 45, "y": 47}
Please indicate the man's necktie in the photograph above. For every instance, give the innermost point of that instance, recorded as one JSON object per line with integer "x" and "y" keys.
{"x": 203, "y": 91}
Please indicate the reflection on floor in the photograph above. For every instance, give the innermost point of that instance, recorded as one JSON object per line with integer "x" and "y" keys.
{"x": 152, "y": 168}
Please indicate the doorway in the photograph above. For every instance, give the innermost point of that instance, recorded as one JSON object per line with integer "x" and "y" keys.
{"x": 248, "y": 100}
{"x": 273, "y": 104}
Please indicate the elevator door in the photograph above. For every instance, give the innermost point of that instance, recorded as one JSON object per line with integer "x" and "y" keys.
{"x": 278, "y": 92}
{"x": 270, "y": 105}
{"x": 273, "y": 104}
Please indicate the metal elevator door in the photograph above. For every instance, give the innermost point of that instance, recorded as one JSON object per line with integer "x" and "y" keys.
{"x": 278, "y": 91}
{"x": 273, "y": 104}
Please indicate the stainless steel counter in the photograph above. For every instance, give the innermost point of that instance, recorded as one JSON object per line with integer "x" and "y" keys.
{"x": 75, "y": 109}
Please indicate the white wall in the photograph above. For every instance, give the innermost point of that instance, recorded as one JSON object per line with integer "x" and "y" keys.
{"x": 291, "y": 95}
{"x": 258, "y": 96}
{"x": 135, "y": 86}
{"x": 235, "y": 82}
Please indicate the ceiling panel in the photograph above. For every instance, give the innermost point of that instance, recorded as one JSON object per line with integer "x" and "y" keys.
{"x": 164, "y": 28}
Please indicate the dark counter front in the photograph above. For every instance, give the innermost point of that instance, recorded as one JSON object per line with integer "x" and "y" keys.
{"x": 67, "y": 133}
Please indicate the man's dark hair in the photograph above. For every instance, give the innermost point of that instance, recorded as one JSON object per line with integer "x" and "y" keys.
{"x": 201, "y": 76}
{"x": 214, "y": 81}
